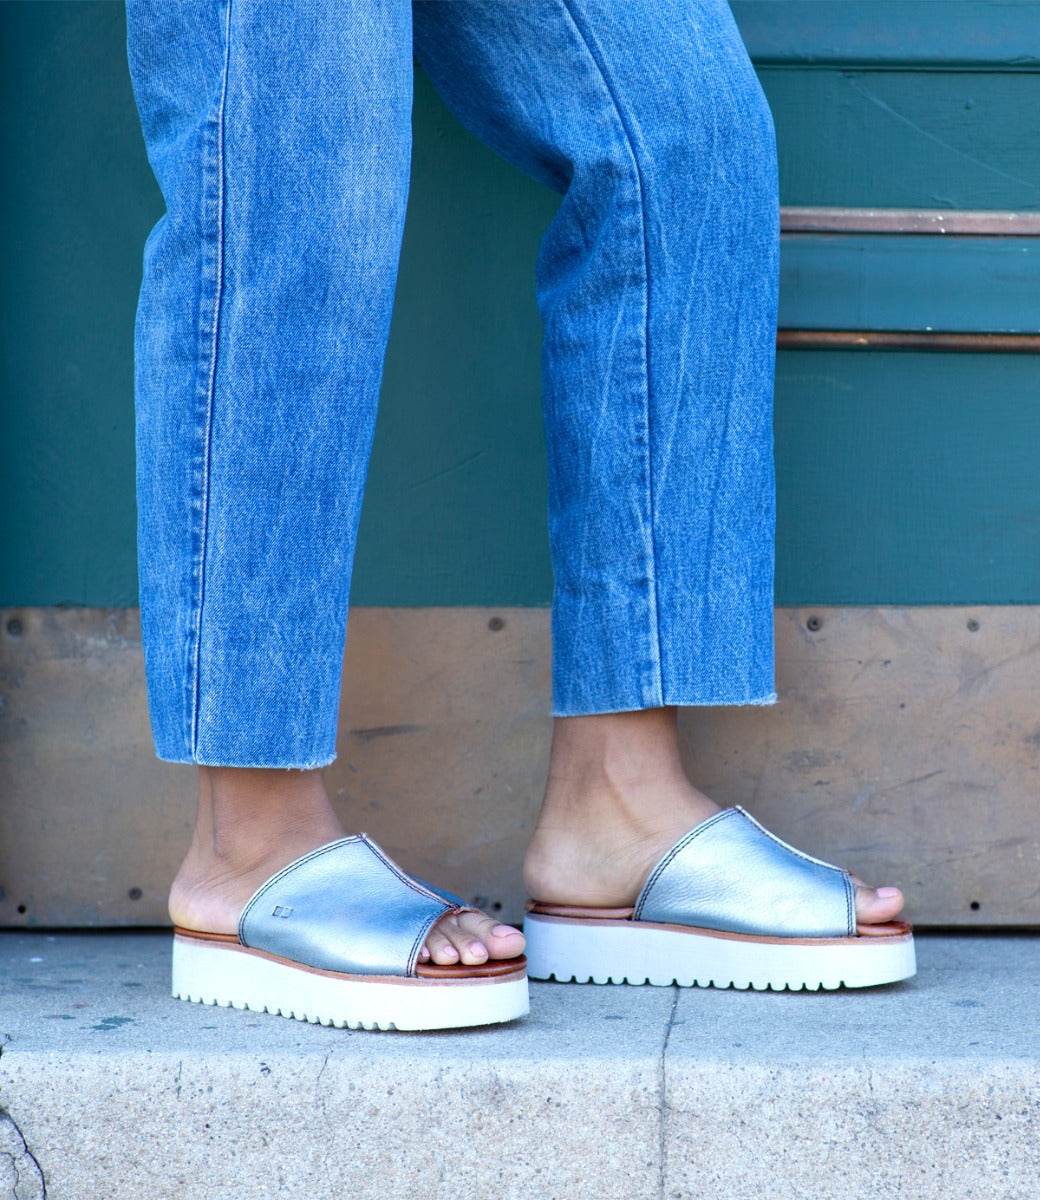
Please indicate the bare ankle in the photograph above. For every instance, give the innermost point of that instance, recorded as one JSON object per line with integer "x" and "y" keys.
{"x": 620, "y": 769}
{"x": 249, "y": 824}
{"x": 246, "y": 814}
{"x": 617, "y": 797}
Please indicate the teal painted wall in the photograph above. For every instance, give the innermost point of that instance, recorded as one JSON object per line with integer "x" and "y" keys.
{"x": 928, "y": 138}
{"x": 903, "y": 478}
{"x": 76, "y": 204}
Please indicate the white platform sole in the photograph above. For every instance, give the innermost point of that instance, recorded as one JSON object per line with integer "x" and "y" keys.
{"x": 592, "y": 951}
{"x": 231, "y": 976}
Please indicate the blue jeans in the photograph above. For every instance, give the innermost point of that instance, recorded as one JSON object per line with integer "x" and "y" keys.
{"x": 279, "y": 133}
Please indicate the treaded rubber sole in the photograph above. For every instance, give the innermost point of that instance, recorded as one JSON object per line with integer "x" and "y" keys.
{"x": 567, "y": 949}
{"x": 235, "y": 977}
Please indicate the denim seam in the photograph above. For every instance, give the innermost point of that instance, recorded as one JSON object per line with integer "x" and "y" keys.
{"x": 211, "y": 384}
{"x": 711, "y": 507}
{"x": 630, "y": 140}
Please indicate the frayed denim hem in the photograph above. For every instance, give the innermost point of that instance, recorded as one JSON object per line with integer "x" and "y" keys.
{"x": 756, "y": 702}
{"x": 208, "y": 761}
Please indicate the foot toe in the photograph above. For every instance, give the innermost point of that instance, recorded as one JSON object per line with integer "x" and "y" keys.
{"x": 501, "y": 941}
{"x": 440, "y": 948}
{"x": 474, "y": 937}
{"x": 875, "y": 906}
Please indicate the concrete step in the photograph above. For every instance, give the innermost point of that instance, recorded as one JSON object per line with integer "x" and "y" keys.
{"x": 113, "y": 1091}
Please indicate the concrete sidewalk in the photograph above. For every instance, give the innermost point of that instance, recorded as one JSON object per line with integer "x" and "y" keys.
{"x": 113, "y": 1091}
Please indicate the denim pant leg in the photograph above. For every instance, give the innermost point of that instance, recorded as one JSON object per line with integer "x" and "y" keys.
{"x": 657, "y": 284}
{"x": 280, "y": 136}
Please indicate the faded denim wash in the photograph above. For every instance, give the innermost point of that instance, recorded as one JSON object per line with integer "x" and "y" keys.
{"x": 280, "y": 135}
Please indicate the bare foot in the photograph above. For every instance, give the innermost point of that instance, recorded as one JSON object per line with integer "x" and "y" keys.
{"x": 251, "y": 823}
{"x": 617, "y": 799}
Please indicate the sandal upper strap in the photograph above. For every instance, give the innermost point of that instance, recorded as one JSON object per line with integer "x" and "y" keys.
{"x": 731, "y": 874}
{"x": 345, "y": 907}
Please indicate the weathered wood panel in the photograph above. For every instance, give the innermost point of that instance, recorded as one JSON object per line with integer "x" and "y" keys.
{"x": 906, "y": 744}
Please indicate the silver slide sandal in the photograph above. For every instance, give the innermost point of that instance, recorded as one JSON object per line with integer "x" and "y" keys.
{"x": 334, "y": 938}
{"x": 730, "y": 905}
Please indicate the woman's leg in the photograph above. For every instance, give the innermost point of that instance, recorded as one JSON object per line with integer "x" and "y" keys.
{"x": 251, "y": 823}
{"x": 617, "y": 798}
{"x": 279, "y": 134}
{"x": 657, "y": 284}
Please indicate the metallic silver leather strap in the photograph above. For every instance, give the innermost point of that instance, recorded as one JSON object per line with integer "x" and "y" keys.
{"x": 450, "y": 897}
{"x": 731, "y": 874}
{"x": 344, "y": 907}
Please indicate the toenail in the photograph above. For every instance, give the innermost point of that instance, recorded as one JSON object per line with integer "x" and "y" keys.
{"x": 886, "y": 893}
{"x": 503, "y": 931}
{"x": 478, "y": 949}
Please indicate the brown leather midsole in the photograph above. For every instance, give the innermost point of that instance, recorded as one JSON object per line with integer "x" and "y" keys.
{"x": 895, "y": 931}
{"x": 495, "y": 972}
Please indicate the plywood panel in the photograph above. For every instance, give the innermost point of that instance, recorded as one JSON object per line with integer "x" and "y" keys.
{"x": 90, "y": 824}
{"x": 906, "y": 745}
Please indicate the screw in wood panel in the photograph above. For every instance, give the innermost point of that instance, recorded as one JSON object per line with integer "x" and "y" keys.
{"x": 974, "y": 906}
{"x": 973, "y": 625}
{"x": 814, "y": 624}
{"x": 14, "y": 627}
{"x": 22, "y": 910}
{"x": 135, "y": 893}
{"x": 495, "y": 624}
